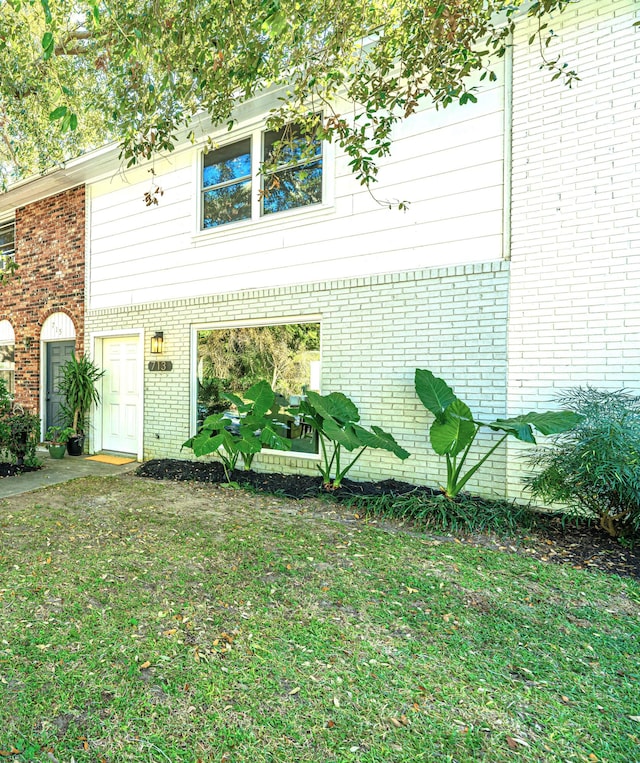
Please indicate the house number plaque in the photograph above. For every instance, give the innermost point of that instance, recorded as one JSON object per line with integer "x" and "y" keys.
{"x": 160, "y": 365}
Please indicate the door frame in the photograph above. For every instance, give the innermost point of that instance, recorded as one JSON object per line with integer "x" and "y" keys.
{"x": 44, "y": 381}
{"x": 50, "y": 333}
{"x": 96, "y": 339}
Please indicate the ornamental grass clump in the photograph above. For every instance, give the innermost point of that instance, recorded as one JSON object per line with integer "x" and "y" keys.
{"x": 595, "y": 468}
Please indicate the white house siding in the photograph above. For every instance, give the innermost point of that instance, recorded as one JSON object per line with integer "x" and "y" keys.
{"x": 574, "y": 316}
{"x": 375, "y": 331}
{"x": 448, "y": 164}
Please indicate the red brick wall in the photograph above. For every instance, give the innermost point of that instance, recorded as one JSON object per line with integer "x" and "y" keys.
{"x": 50, "y": 238}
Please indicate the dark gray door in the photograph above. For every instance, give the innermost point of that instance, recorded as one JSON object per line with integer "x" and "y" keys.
{"x": 57, "y": 353}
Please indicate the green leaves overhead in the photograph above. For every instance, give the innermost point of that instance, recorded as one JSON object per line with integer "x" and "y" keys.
{"x": 140, "y": 73}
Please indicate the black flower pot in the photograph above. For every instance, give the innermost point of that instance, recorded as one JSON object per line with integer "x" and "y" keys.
{"x": 75, "y": 445}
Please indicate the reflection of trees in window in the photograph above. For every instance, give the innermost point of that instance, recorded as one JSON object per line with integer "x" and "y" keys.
{"x": 287, "y": 356}
{"x": 7, "y": 365}
{"x": 293, "y": 171}
{"x": 7, "y": 244}
{"x": 233, "y": 359}
{"x": 242, "y": 356}
{"x": 226, "y": 183}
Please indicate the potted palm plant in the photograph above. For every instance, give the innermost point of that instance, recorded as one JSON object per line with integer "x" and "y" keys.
{"x": 77, "y": 384}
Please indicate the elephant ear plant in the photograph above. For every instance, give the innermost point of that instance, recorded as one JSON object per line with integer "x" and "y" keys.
{"x": 335, "y": 419}
{"x": 245, "y": 437}
{"x": 455, "y": 429}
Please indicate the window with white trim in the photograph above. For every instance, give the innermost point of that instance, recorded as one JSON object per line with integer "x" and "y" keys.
{"x": 233, "y": 359}
{"x": 233, "y": 188}
{"x": 296, "y": 178}
{"x": 7, "y": 243}
{"x": 7, "y": 355}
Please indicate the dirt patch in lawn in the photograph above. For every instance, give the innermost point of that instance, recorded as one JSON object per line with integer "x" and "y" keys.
{"x": 580, "y": 546}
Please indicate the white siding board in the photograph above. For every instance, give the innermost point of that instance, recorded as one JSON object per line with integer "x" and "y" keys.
{"x": 447, "y": 163}
{"x": 161, "y": 286}
{"x": 276, "y": 253}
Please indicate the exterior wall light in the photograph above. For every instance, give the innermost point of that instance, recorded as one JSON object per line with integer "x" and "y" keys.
{"x": 157, "y": 343}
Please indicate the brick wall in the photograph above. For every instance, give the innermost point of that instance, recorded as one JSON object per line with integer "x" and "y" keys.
{"x": 574, "y": 314}
{"x": 374, "y": 332}
{"x": 50, "y": 244}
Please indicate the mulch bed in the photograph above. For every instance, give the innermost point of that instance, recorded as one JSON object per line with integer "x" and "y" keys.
{"x": 10, "y": 470}
{"x": 296, "y": 486}
{"x": 582, "y": 546}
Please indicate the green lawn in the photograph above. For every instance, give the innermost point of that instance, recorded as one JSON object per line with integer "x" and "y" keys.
{"x": 151, "y": 621}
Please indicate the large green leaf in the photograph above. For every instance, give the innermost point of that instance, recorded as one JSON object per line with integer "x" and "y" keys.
{"x": 553, "y": 422}
{"x": 436, "y": 395}
{"x": 248, "y": 445}
{"x": 345, "y": 437}
{"x": 450, "y": 435}
{"x": 214, "y": 422}
{"x": 237, "y": 401}
{"x": 378, "y": 438}
{"x": 203, "y": 444}
{"x": 272, "y": 439}
{"x": 549, "y": 422}
{"x": 517, "y": 427}
{"x": 262, "y": 396}
{"x": 335, "y": 405}
{"x": 459, "y": 409}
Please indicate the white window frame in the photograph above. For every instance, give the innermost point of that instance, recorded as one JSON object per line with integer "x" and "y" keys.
{"x": 214, "y": 326}
{"x": 259, "y": 222}
{"x": 234, "y": 181}
{"x": 9, "y": 255}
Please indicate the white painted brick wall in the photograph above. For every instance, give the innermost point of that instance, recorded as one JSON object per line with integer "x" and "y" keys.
{"x": 574, "y": 314}
{"x": 375, "y": 332}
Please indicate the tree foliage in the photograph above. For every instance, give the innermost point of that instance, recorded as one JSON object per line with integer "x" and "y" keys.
{"x": 75, "y": 72}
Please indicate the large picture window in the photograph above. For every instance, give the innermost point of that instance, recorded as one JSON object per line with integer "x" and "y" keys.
{"x": 232, "y": 359}
{"x": 291, "y": 177}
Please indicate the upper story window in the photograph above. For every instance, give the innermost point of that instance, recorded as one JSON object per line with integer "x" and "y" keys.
{"x": 7, "y": 242}
{"x": 226, "y": 184}
{"x": 292, "y": 178}
{"x": 296, "y": 178}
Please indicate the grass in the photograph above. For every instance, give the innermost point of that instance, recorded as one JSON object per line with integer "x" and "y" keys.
{"x": 465, "y": 514}
{"x": 150, "y": 621}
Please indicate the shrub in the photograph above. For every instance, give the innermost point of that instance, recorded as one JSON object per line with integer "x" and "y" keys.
{"x": 20, "y": 436}
{"x": 465, "y": 514}
{"x": 77, "y": 384}
{"x": 595, "y": 468}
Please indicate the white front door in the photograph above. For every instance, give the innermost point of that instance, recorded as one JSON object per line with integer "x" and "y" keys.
{"x": 120, "y": 394}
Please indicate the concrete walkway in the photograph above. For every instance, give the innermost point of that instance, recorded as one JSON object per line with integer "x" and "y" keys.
{"x": 55, "y": 471}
